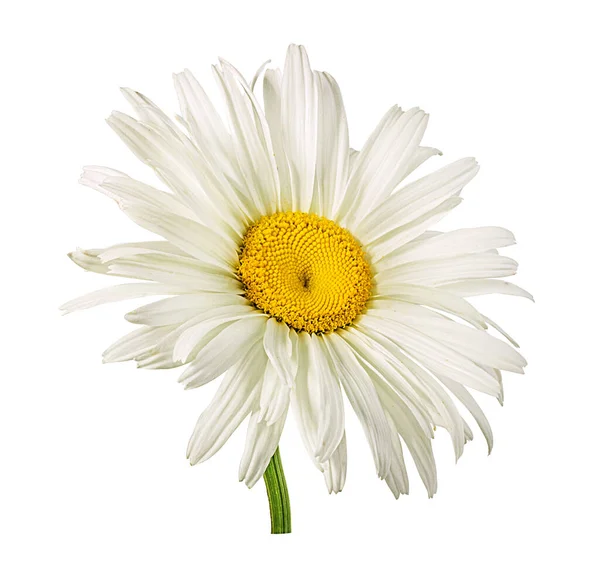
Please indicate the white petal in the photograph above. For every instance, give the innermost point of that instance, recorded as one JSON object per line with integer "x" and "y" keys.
{"x": 178, "y": 162}
{"x": 125, "y": 250}
{"x": 436, "y": 272}
{"x": 429, "y": 393}
{"x": 416, "y": 199}
{"x": 192, "y": 237}
{"x": 430, "y": 297}
{"x": 473, "y": 343}
{"x": 179, "y": 166}
{"x": 397, "y": 478}
{"x": 471, "y": 404}
{"x": 88, "y": 259}
{"x": 148, "y": 270}
{"x": 352, "y": 157}
{"x": 274, "y": 396}
{"x": 156, "y": 359}
{"x": 364, "y": 400}
{"x": 204, "y": 122}
{"x": 330, "y": 414}
{"x": 252, "y": 139}
{"x": 332, "y": 147}
{"x": 278, "y": 347}
{"x": 127, "y": 191}
{"x": 318, "y": 400}
{"x": 183, "y": 272}
{"x": 380, "y": 364}
{"x": 418, "y": 444}
{"x": 502, "y": 332}
{"x": 119, "y": 293}
{"x": 192, "y": 333}
{"x": 451, "y": 244}
{"x": 437, "y": 357}
{"x": 176, "y": 310}
{"x": 150, "y": 114}
{"x": 223, "y": 351}
{"x": 421, "y": 155}
{"x": 135, "y": 344}
{"x": 334, "y": 469}
{"x": 258, "y": 73}
{"x": 299, "y": 118}
{"x": 305, "y": 399}
{"x": 449, "y": 417}
{"x": 384, "y": 162}
{"x": 272, "y": 98}
{"x": 364, "y": 162}
{"x": 231, "y": 404}
{"x": 473, "y": 287}
{"x": 261, "y": 443}
{"x": 400, "y": 237}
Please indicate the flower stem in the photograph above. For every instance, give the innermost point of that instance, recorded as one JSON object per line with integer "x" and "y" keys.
{"x": 279, "y": 500}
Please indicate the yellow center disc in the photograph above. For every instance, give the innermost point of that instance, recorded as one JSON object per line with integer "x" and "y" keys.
{"x": 304, "y": 270}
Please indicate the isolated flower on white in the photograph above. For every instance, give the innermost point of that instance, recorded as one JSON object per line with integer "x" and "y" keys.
{"x": 301, "y": 269}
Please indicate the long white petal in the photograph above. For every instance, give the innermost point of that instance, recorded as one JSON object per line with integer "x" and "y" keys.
{"x": 364, "y": 400}
{"x": 299, "y": 118}
{"x": 438, "y": 272}
{"x": 430, "y": 297}
{"x": 128, "y": 191}
{"x": 178, "y": 162}
{"x": 387, "y": 245}
{"x": 193, "y": 332}
{"x": 261, "y": 442}
{"x": 334, "y": 469}
{"x": 332, "y": 147}
{"x": 410, "y": 380}
{"x": 318, "y": 401}
{"x": 192, "y": 237}
{"x": 439, "y": 358}
{"x": 223, "y": 351}
{"x": 278, "y": 347}
{"x": 178, "y": 309}
{"x": 231, "y": 404}
{"x": 451, "y": 244}
{"x": 272, "y": 98}
{"x": 205, "y": 124}
{"x": 421, "y": 155}
{"x": 500, "y": 330}
{"x": 116, "y": 293}
{"x": 418, "y": 444}
{"x": 134, "y": 344}
{"x": 471, "y": 405}
{"x": 125, "y": 250}
{"x": 449, "y": 417}
{"x": 381, "y": 366}
{"x": 473, "y": 287}
{"x": 416, "y": 199}
{"x": 386, "y": 163}
{"x": 397, "y": 478}
{"x": 179, "y": 166}
{"x": 184, "y": 272}
{"x": 252, "y": 140}
{"x": 368, "y": 160}
{"x": 473, "y": 343}
{"x": 274, "y": 396}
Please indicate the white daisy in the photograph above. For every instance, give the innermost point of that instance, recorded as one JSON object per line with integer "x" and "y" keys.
{"x": 300, "y": 269}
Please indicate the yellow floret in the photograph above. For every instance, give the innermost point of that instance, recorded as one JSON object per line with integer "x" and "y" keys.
{"x": 305, "y": 270}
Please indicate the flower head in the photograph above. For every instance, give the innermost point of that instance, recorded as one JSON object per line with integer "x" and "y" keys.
{"x": 301, "y": 269}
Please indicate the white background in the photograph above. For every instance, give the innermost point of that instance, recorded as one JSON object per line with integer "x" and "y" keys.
{"x": 93, "y": 470}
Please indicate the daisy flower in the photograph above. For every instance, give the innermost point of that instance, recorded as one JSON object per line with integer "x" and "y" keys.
{"x": 302, "y": 270}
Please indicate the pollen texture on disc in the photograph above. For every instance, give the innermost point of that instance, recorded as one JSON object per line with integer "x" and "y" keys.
{"x": 304, "y": 270}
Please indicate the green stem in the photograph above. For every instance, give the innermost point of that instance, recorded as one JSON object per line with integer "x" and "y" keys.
{"x": 279, "y": 500}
